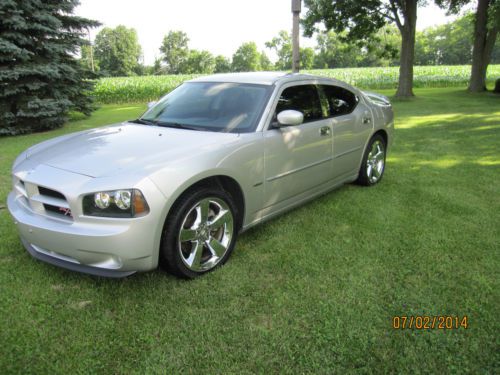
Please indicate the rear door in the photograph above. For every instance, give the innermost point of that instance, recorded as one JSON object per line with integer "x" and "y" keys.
{"x": 352, "y": 123}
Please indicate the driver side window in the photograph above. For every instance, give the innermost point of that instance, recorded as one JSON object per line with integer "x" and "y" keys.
{"x": 303, "y": 98}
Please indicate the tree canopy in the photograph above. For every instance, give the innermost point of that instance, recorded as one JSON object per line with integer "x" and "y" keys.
{"x": 117, "y": 51}
{"x": 359, "y": 21}
{"x": 446, "y": 44}
{"x": 40, "y": 79}
{"x": 246, "y": 58}
{"x": 282, "y": 46}
{"x": 198, "y": 62}
{"x": 222, "y": 64}
{"x": 486, "y": 21}
{"x": 175, "y": 50}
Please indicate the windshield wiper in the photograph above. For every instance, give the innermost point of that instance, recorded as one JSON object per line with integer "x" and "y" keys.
{"x": 166, "y": 124}
{"x": 178, "y": 125}
{"x": 143, "y": 122}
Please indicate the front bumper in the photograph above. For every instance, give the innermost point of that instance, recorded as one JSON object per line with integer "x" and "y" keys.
{"x": 107, "y": 247}
{"x": 110, "y": 250}
{"x": 70, "y": 263}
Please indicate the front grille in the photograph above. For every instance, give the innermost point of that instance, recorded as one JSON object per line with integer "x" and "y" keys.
{"x": 58, "y": 210}
{"x": 43, "y": 200}
{"x": 50, "y": 193}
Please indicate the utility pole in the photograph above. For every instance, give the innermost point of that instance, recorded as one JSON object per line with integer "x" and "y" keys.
{"x": 296, "y": 5}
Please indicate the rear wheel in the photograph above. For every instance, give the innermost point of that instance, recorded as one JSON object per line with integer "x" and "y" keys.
{"x": 200, "y": 233}
{"x": 373, "y": 166}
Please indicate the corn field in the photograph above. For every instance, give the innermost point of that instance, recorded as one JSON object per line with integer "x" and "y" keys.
{"x": 148, "y": 88}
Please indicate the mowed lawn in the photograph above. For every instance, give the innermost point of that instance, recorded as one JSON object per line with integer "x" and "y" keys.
{"x": 313, "y": 291}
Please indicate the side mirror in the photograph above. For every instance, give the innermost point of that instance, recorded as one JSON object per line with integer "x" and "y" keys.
{"x": 290, "y": 117}
{"x": 151, "y": 104}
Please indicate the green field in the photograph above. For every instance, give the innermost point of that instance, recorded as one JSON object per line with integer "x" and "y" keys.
{"x": 313, "y": 291}
{"x": 147, "y": 88}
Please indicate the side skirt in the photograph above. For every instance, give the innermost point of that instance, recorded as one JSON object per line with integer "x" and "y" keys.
{"x": 298, "y": 200}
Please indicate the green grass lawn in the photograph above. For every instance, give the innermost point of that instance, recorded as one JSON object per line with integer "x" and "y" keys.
{"x": 313, "y": 291}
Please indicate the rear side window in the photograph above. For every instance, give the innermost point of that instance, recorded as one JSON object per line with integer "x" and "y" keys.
{"x": 302, "y": 98}
{"x": 340, "y": 101}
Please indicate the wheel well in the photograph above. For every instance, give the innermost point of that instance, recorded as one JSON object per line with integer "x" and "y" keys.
{"x": 230, "y": 186}
{"x": 383, "y": 134}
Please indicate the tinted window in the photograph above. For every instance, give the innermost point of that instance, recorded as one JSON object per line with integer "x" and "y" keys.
{"x": 229, "y": 107}
{"x": 301, "y": 98}
{"x": 340, "y": 100}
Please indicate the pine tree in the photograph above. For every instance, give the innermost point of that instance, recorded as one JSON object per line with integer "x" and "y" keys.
{"x": 40, "y": 78}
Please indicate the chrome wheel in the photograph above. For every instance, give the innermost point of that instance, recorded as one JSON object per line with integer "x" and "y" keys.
{"x": 205, "y": 235}
{"x": 375, "y": 162}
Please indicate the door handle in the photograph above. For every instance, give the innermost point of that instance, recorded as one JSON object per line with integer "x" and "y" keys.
{"x": 325, "y": 130}
{"x": 366, "y": 120}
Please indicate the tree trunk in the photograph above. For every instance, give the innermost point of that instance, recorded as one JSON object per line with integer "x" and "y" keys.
{"x": 407, "y": 58}
{"x": 482, "y": 48}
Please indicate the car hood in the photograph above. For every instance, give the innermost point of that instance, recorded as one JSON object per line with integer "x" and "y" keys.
{"x": 125, "y": 148}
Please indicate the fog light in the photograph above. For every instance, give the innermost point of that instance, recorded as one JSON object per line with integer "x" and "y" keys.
{"x": 102, "y": 200}
{"x": 122, "y": 199}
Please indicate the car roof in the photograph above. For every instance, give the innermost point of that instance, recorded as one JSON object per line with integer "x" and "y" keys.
{"x": 262, "y": 78}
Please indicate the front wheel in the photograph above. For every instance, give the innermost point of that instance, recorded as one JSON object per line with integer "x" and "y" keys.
{"x": 373, "y": 166}
{"x": 200, "y": 233}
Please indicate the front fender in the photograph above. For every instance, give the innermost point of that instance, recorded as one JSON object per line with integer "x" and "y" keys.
{"x": 242, "y": 162}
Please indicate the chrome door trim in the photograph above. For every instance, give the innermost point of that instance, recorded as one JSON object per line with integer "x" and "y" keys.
{"x": 299, "y": 169}
{"x": 347, "y": 152}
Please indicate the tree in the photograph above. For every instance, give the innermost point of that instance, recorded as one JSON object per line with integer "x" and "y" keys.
{"x": 87, "y": 59}
{"x": 40, "y": 78}
{"x": 198, "y": 62}
{"x": 246, "y": 58}
{"x": 334, "y": 52}
{"x": 140, "y": 69}
{"x": 380, "y": 50}
{"x": 282, "y": 45}
{"x": 448, "y": 44}
{"x": 117, "y": 51}
{"x": 265, "y": 63}
{"x": 306, "y": 58}
{"x": 175, "y": 50}
{"x": 495, "y": 55}
{"x": 222, "y": 64}
{"x": 486, "y": 28}
{"x": 158, "y": 68}
{"x": 360, "y": 20}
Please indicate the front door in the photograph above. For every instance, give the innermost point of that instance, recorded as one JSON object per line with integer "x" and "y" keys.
{"x": 297, "y": 158}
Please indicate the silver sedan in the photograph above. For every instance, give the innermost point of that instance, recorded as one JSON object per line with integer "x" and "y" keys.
{"x": 214, "y": 157}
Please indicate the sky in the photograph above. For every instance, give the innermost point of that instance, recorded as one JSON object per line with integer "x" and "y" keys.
{"x": 219, "y": 26}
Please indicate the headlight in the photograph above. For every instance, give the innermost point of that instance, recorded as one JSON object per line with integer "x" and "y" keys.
{"x": 116, "y": 203}
{"x": 122, "y": 199}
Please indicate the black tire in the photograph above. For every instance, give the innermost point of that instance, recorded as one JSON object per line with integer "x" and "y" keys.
{"x": 184, "y": 215}
{"x": 364, "y": 177}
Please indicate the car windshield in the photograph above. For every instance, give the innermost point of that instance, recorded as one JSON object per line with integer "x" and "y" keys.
{"x": 212, "y": 106}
